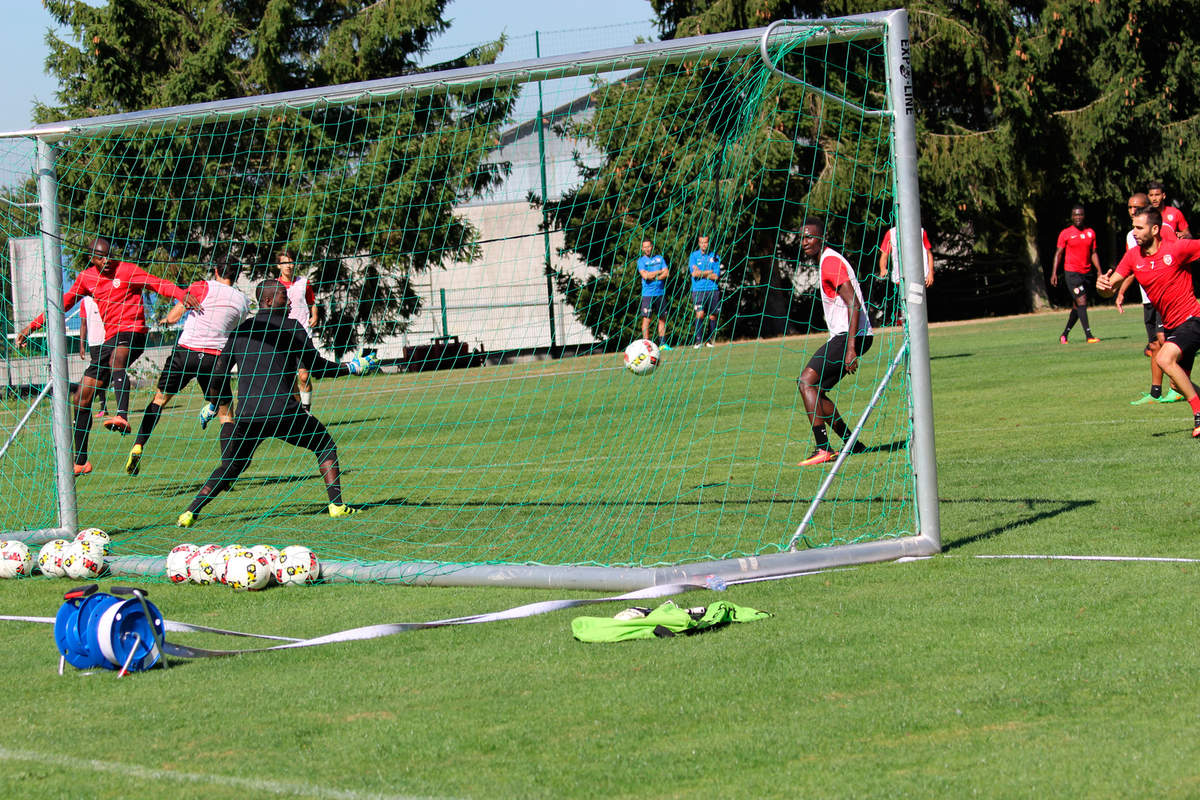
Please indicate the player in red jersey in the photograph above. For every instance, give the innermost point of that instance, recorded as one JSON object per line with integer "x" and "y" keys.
{"x": 1077, "y": 254}
{"x": 1164, "y": 270}
{"x": 1172, "y": 217}
{"x": 117, "y": 288}
{"x": 849, "y": 337}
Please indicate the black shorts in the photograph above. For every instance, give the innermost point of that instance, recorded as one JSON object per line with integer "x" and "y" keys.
{"x": 652, "y": 306}
{"x": 1153, "y": 322}
{"x": 294, "y": 427}
{"x": 102, "y": 370}
{"x": 829, "y": 360}
{"x": 1187, "y": 338}
{"x": 708, "y": 301}
{"x": 1078, "y": 284}
{"x": 186, "y": 365}
{"x": 101, "y": 367}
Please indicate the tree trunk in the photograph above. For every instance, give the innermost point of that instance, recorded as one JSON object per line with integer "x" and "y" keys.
{"x": 1036, "y": 295}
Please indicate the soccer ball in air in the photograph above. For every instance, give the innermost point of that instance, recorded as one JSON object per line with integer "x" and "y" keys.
{"x": 50, "y": 558}
{"x": 82, "y": 560}
{"x": 642, "y": 357}
{"x": 15, "y": 560}
{"x": 178, "y": 560}
{"x": 297, "y": 565}
{"x": 248, "y": 571}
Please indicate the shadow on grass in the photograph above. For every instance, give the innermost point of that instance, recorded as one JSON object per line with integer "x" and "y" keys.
{"x": 951, "y": 355}
{"x": 1058, "y": 507}
{"x": 342, "y": 422}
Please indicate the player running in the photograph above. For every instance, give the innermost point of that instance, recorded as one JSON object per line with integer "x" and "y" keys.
{"x": 267, "y": 349}
{"x": 117, "y": 288}
{"x": 842, "y": 304}
{"x": 1077, "y": 254}
{"x": 195, "y": 356}
{"x": 302, "y": 307}
{"x": 1161, "y": 267}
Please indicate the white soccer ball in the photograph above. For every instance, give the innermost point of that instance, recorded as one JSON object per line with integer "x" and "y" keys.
{"x": 248, "y": 571}
{"x": 83, "y": 560}
{"x": 297, "y": 565}
{"x": 50, "y": 558}
{"x": 177, "y": 561}
{"x": 96, "y": 536}
{"x": 228, "y": 552}
{"x": 642, "y": 357}
{"x": 15, "y": 560}
{"x": 271, "y": 553}
{"x": 208, "y": 565}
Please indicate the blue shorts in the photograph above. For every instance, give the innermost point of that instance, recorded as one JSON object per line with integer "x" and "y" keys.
{"x": 652, "y": 306}
{"x": 708, "y": 302}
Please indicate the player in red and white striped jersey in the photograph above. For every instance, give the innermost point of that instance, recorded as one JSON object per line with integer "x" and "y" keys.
{"x": 117, "y": 288}
{"x": 1164, "y": 269}
{"x": 302, "y": 307}
{"x": 195, "y": 355}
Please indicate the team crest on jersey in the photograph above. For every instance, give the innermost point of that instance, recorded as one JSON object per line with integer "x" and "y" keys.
{"x": 1167, "y": 259}
{"x": 116, "y": 283}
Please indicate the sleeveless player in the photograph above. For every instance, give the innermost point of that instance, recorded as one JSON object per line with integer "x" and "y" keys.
{"x": 845, "y": 311}
{"x": 1163, "y": 269}
{"x": 267, "y": 348}
{"x": 302, "y": 307}
{"x": 654, "y": 273}
{"x": 706, "y": 292}
{"x": 195, "y": 355}
{"x": 91, "y": 336}
{"x": 117, "y": 288}
{"x": 1077, "y": 254}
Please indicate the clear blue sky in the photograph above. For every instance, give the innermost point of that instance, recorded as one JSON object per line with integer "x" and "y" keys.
{"x": 612, "y": 23}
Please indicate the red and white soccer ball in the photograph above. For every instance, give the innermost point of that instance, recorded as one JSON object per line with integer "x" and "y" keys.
{"x": 96, "y": 537}
{"x": 642, "y": 357}
{"x": 15, "y": 560}
{"x": 247, "y": 571}
{"x": 178, "y": 560}
{"x": 207, "y": 566}
{"x": 297, "y": 566}
{"x": 82, "y": 560}
{"x": 50, "y": 558}
{"x": 271, "y": 553}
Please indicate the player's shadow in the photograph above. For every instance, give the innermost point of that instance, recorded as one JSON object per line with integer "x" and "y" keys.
{"x": 951, "y": 355}
{"x": 889, "y": 447}
{"x": 1057, "y": 508}
{"x": 338, "y": 423}
{"x": 190, "y": 489}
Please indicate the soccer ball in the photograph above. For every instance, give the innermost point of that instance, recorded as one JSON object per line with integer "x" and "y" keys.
{"x": 228, "y": 552}
{"x": 208, "y": 565}
{"x": 248, "y": 571}
{"x": 642, "y": 357}
{"x": 178, "y": 560}
{"x": 15, "y": 561}
{"x": 96, "y": 536}
{"x": 297, "y": 565}
{"x": 50, "y": 558}
{"x": 82, "y": 560}
{"x": 271, "y": 554}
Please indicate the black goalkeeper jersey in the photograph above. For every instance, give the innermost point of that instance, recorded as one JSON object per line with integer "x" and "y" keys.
{"x": 267, "y": 349}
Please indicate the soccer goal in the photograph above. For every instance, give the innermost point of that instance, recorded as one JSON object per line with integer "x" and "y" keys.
{"x": 479, "y": 230}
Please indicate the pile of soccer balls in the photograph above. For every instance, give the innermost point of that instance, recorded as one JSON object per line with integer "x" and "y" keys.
{"x": 239, "y": 567}
{"x": 80, "y": 559}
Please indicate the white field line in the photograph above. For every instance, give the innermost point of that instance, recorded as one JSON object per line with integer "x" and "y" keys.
{"x": 253, "y": 785}
{"x": 1153, "y": 559}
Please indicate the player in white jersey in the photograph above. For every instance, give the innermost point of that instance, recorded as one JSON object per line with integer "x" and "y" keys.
{"x": 302, "y": 307}
{"x": 195, "y": 355}
{"x": 849, "y": 337}
{"x": 91, "y": 337}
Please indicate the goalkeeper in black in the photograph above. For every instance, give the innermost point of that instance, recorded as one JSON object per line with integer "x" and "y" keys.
{"x": 267, "y": 349}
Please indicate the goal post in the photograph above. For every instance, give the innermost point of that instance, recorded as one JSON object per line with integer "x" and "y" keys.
{"x": 439, "y": 217}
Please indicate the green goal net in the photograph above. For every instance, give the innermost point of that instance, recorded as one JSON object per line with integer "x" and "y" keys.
{"x": 478, "y": 232}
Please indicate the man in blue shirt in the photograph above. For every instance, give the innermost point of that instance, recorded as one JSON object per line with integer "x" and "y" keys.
{"x": 706, "y": 295}
{"x": 654, "y": 272}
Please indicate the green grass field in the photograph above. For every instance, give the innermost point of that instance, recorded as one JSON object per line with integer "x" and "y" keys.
{"x": 944, "y": 677}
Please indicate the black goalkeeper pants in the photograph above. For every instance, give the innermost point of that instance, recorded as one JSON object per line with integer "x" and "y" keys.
{"x": 294, "y": 427}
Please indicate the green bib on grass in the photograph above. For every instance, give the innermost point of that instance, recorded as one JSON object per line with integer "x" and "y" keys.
{"x": 665, "y": 621}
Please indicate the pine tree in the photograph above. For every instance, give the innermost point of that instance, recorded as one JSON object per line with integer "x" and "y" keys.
{"x": 329, "y": 181}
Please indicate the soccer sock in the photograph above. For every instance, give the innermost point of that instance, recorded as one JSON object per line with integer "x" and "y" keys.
{"x": 712, "y": 329}
{"x": 699, "y": 330}
{"x": 102, "y": 399}
{"x": 204, "y": 497}
{"x": 839, "y": 426}
{"x": 120, "y": 385}
{"x": 149, "y": 420}
{"x": 1082, "y": 312}
{"x": 820, "y": 437}
{"x": 1156, "y": 391}
{"x": 1195, "y": 404}
{"x": 83, "y": 426}
{"x": 226, "y": 433}
{"x": 333, "y": 481}
{"x": 1071, "y": 320}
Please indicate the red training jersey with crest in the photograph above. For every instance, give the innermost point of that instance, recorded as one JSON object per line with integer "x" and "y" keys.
{"x": 118, "y": 296}
{"x": 1174, "y": 217}
{"x": 1078, "y": 246}
{"x": 1166, "y": 279}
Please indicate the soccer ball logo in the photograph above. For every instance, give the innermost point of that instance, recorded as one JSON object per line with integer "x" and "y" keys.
{"x": 642, "y": 357}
